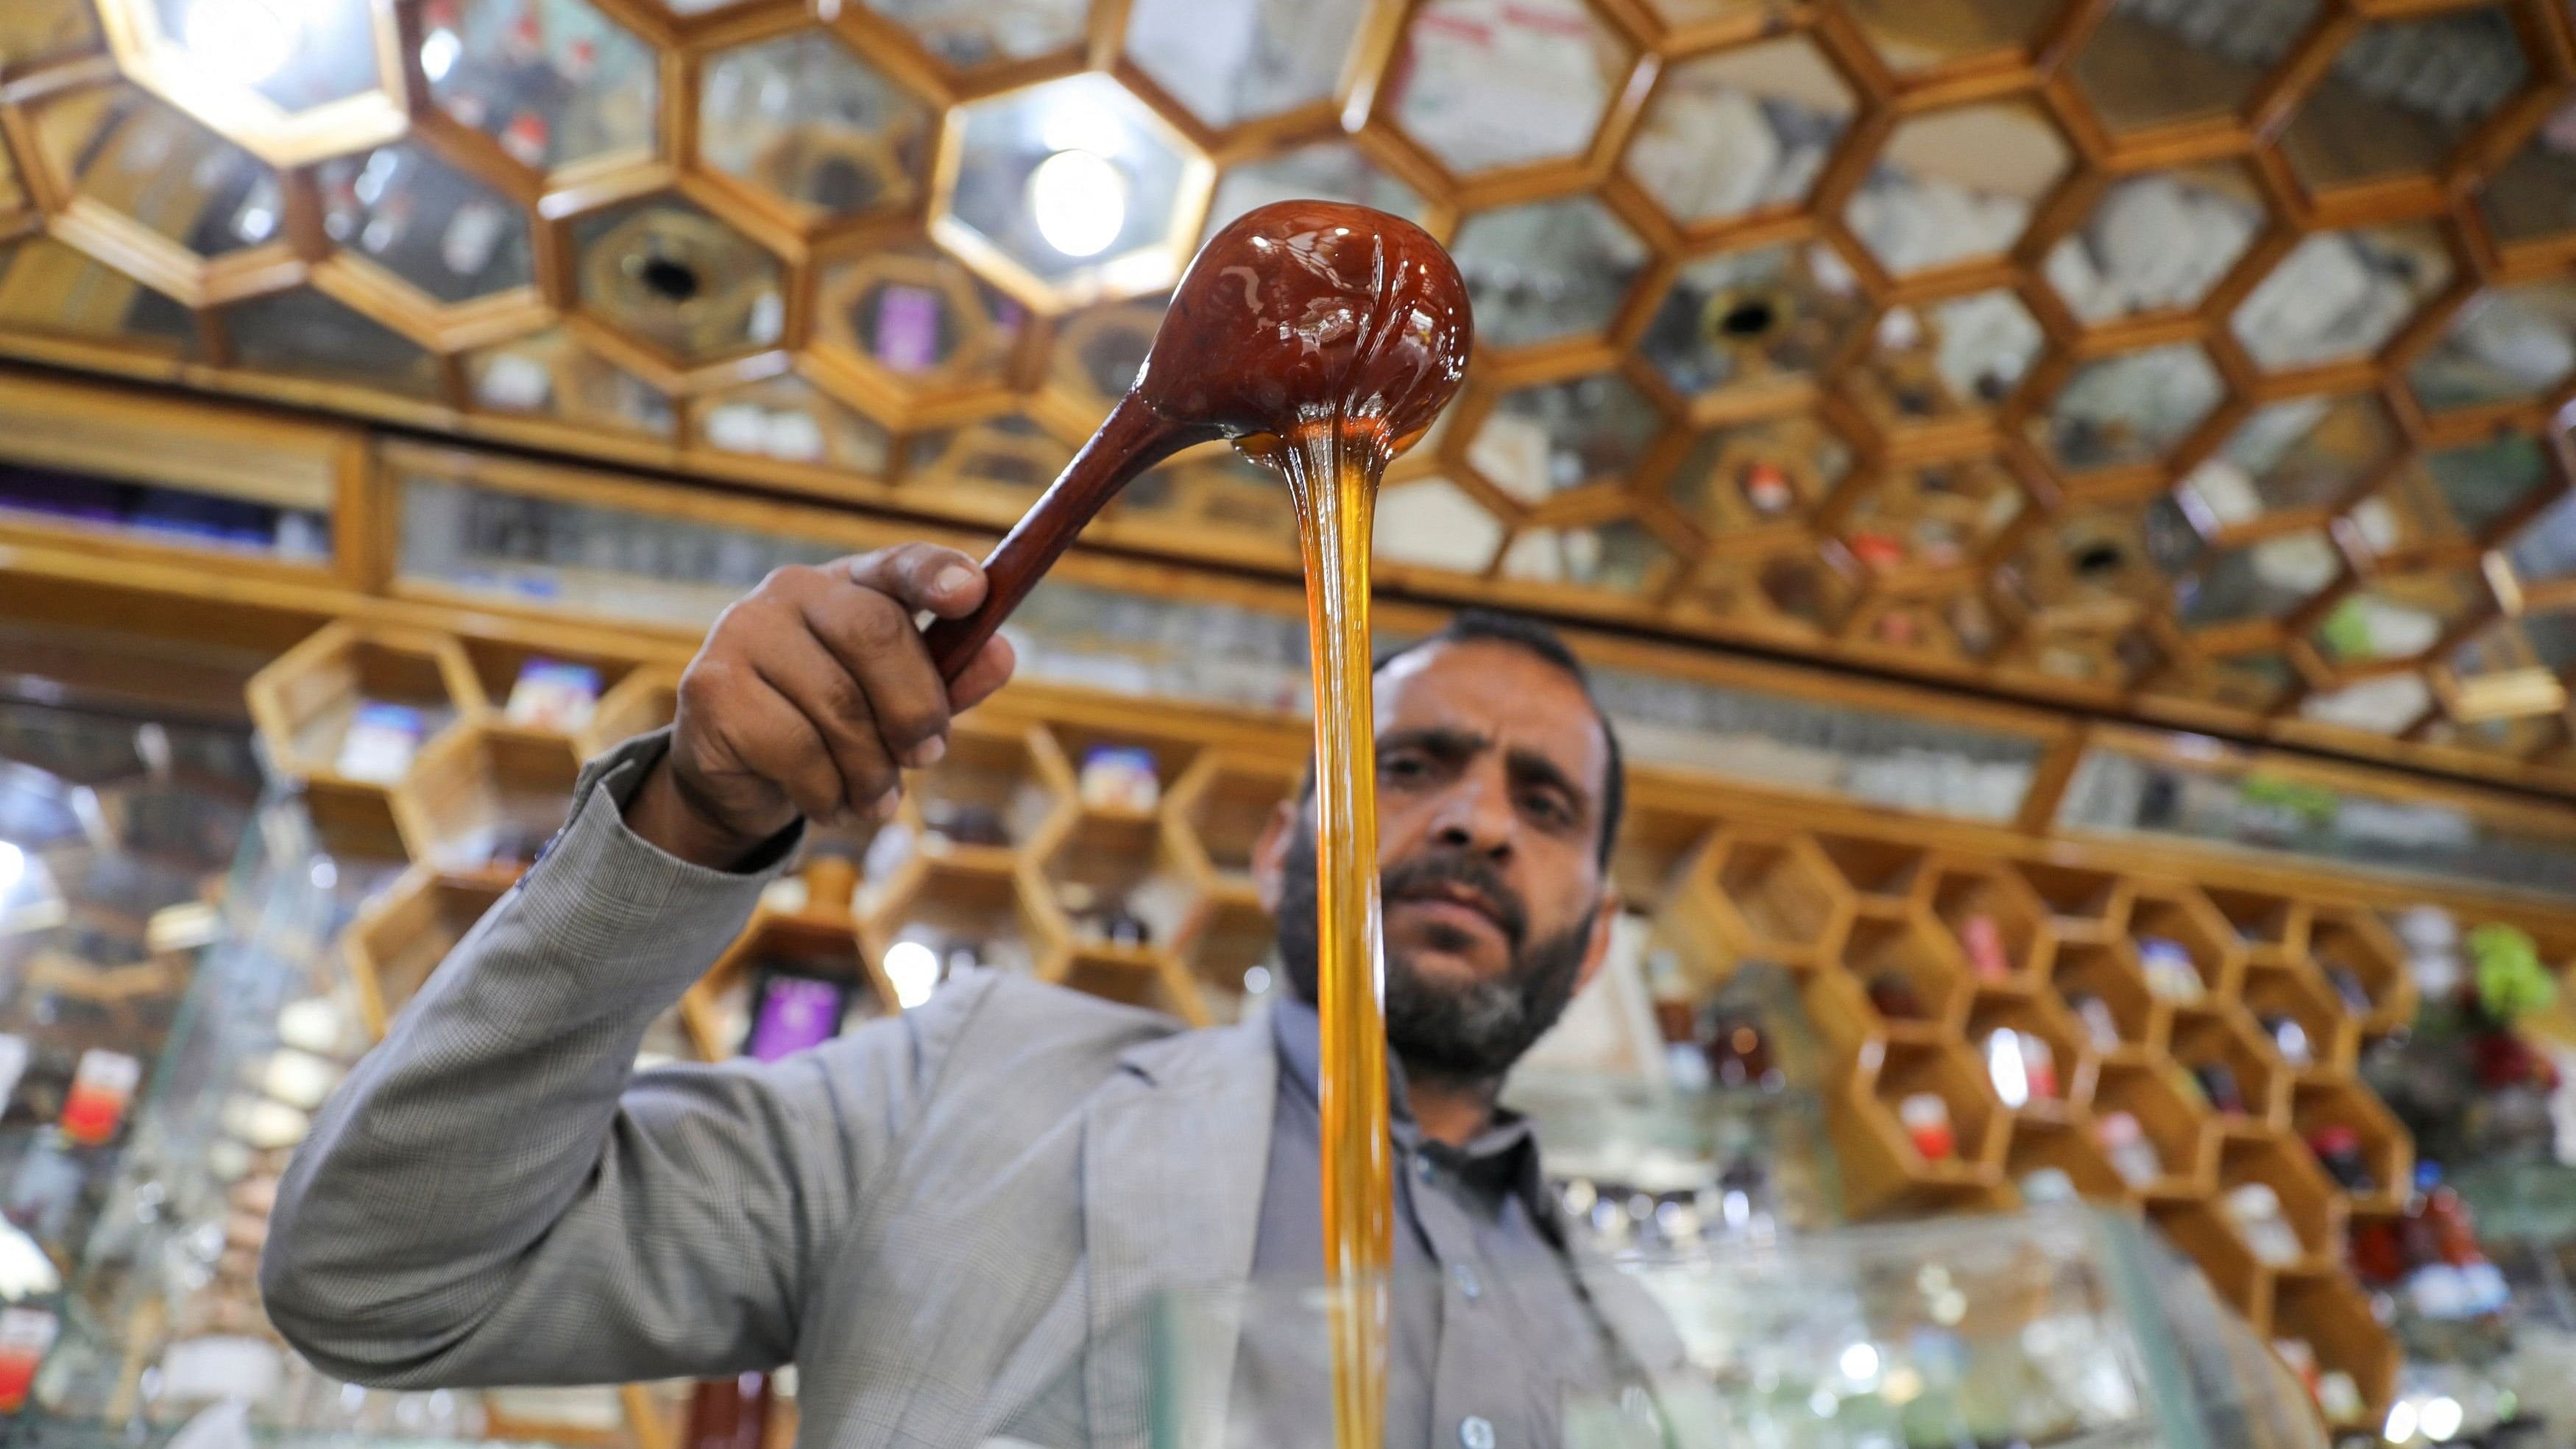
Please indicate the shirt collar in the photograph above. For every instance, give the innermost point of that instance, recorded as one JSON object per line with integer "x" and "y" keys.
{"x": 1506, "y": 1152}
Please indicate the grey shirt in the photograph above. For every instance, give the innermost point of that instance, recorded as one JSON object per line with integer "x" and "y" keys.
{"x": 1493, "y": 1332}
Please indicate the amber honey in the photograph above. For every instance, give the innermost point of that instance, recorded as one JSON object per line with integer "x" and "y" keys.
{"x": 1325, "y": 339}
{"x": 1334, "y": 479}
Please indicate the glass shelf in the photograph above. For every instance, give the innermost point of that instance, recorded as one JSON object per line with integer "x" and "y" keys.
{"x": 1482, "y": 87}
{"x": 144, "y": 160}
{"x": 190, "y": 518}
{"x": 2232, "y": 802}
{"x": 1740, "y": 130}
{"x": 555, "y": 82}
{"x": 591, "y": 558}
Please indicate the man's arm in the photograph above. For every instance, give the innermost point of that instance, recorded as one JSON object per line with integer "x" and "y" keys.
{"x": 487, "y": 1199}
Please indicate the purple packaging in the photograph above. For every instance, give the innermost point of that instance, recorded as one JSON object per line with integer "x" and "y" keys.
{"x": 791, "y": 1013}
{"x": 908, "y": 328}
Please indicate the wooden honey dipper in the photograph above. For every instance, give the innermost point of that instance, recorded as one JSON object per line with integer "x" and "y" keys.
{"x": 1298, "y": 314}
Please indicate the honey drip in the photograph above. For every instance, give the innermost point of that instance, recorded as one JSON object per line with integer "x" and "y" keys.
{"x": 1323, "y": 339}
{"x": 1336, "y": 498}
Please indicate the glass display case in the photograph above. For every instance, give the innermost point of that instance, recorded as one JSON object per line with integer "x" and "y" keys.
{"x": 118, "y": 837}
{"x": 2051, "y": 1330}
{"x": 2226, "y": 799}
{"x": 470, "y": 534}
{"x": 120, "y": 472}
{"x": 154, "y": 1233}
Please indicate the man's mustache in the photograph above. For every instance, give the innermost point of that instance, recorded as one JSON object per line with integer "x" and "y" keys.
{"x": 1433, "y": 873}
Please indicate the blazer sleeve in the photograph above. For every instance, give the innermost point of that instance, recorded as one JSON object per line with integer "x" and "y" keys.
{"x": 495, "y": 1197}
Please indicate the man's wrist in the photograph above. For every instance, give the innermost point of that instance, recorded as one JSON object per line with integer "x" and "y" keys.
{"x": 661, "y": 814}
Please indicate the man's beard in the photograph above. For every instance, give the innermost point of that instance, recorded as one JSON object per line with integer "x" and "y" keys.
{"x": 1468, "y": 1032}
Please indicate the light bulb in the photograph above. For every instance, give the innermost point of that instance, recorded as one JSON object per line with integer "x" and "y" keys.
{"x": 1860, "y": 1363}
{"x": 2440, "y": 1419}
{"x": 240, "y": 41}
{"x": 2401, "y": 1422}
{"x": 1079, "y": 202}
{"x": 439, "y": 52}
{"x": 913, "y": 968}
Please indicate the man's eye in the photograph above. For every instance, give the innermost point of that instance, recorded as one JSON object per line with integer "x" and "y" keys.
{"x": 1547, "y": 808}
{"x": 1403, "y": 767}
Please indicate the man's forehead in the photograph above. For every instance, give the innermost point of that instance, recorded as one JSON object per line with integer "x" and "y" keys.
{"x": 1498, "y": 690}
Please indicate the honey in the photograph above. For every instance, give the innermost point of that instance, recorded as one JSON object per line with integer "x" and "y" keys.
{"x": 1323, "y": 339}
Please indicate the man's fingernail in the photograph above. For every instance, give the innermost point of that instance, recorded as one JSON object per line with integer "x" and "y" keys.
{"x": 887, "y": 805}
{"x": 928, "y": 753}
{"x": 954, "y": 579}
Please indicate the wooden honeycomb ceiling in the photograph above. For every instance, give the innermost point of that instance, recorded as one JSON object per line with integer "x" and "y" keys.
{"x": 2205, "y": 360}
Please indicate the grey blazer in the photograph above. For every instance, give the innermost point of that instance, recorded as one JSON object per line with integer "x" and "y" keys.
{"x": 942, "y": 1218}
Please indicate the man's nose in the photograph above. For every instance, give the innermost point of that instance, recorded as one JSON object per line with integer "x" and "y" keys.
{"x": 1475, "y": 814}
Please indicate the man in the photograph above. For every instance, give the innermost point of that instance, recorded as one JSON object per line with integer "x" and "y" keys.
{"x": 954, "y": 1221}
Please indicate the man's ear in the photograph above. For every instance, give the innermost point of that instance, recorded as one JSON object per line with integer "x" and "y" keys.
{"x": 1270, "y": 852}
{"x": 1596, "y": 944}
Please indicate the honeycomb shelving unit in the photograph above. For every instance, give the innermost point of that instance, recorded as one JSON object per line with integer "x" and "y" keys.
{"x": 2204, "y": 362}
{"x": 2150, "y": 976}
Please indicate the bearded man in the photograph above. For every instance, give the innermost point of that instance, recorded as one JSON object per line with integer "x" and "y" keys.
{"x": 951, "y": 1221}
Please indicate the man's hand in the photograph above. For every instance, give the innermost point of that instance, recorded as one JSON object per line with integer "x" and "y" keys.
{"x": 811, "y": 695}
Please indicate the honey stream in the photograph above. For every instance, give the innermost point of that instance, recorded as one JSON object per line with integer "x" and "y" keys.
{"x": 1333, "y": 477}
{"x": 1324, "y": 339}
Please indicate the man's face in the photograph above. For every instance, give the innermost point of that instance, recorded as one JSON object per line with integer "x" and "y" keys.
{"x": 1490, "y": 770}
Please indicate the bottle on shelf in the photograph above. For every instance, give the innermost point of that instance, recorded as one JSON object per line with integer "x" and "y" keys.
{"x": 729, "y": 1413}
{"x": 1927, "y": 1125}
{"x": 2099, "y": 1023}
{"x": 2288, "y": 1038}
{"x": 1987, "y": 952}
{"x": 1892, "y": 996}
{"x": 2170, "y": 972}
{"x": 2217, "y": 1085}
{"x": 1734, "y": 1036}
{"x": 2338, "y": 1151}
{"x": 2021, "y": 1065}
{"x": 2132, "y": 1154}
{"x": 2255, "y": 1209}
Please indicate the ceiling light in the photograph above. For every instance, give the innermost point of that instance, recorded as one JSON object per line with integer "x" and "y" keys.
{"x": 1079, "y": 202}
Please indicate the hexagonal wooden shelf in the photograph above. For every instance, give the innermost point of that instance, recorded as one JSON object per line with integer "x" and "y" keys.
{"x": 486, "y": 799}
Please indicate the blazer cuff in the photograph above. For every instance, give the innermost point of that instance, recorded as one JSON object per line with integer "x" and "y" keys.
{"x": 607, "y": 785}
{"x": 620, "y": 925}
